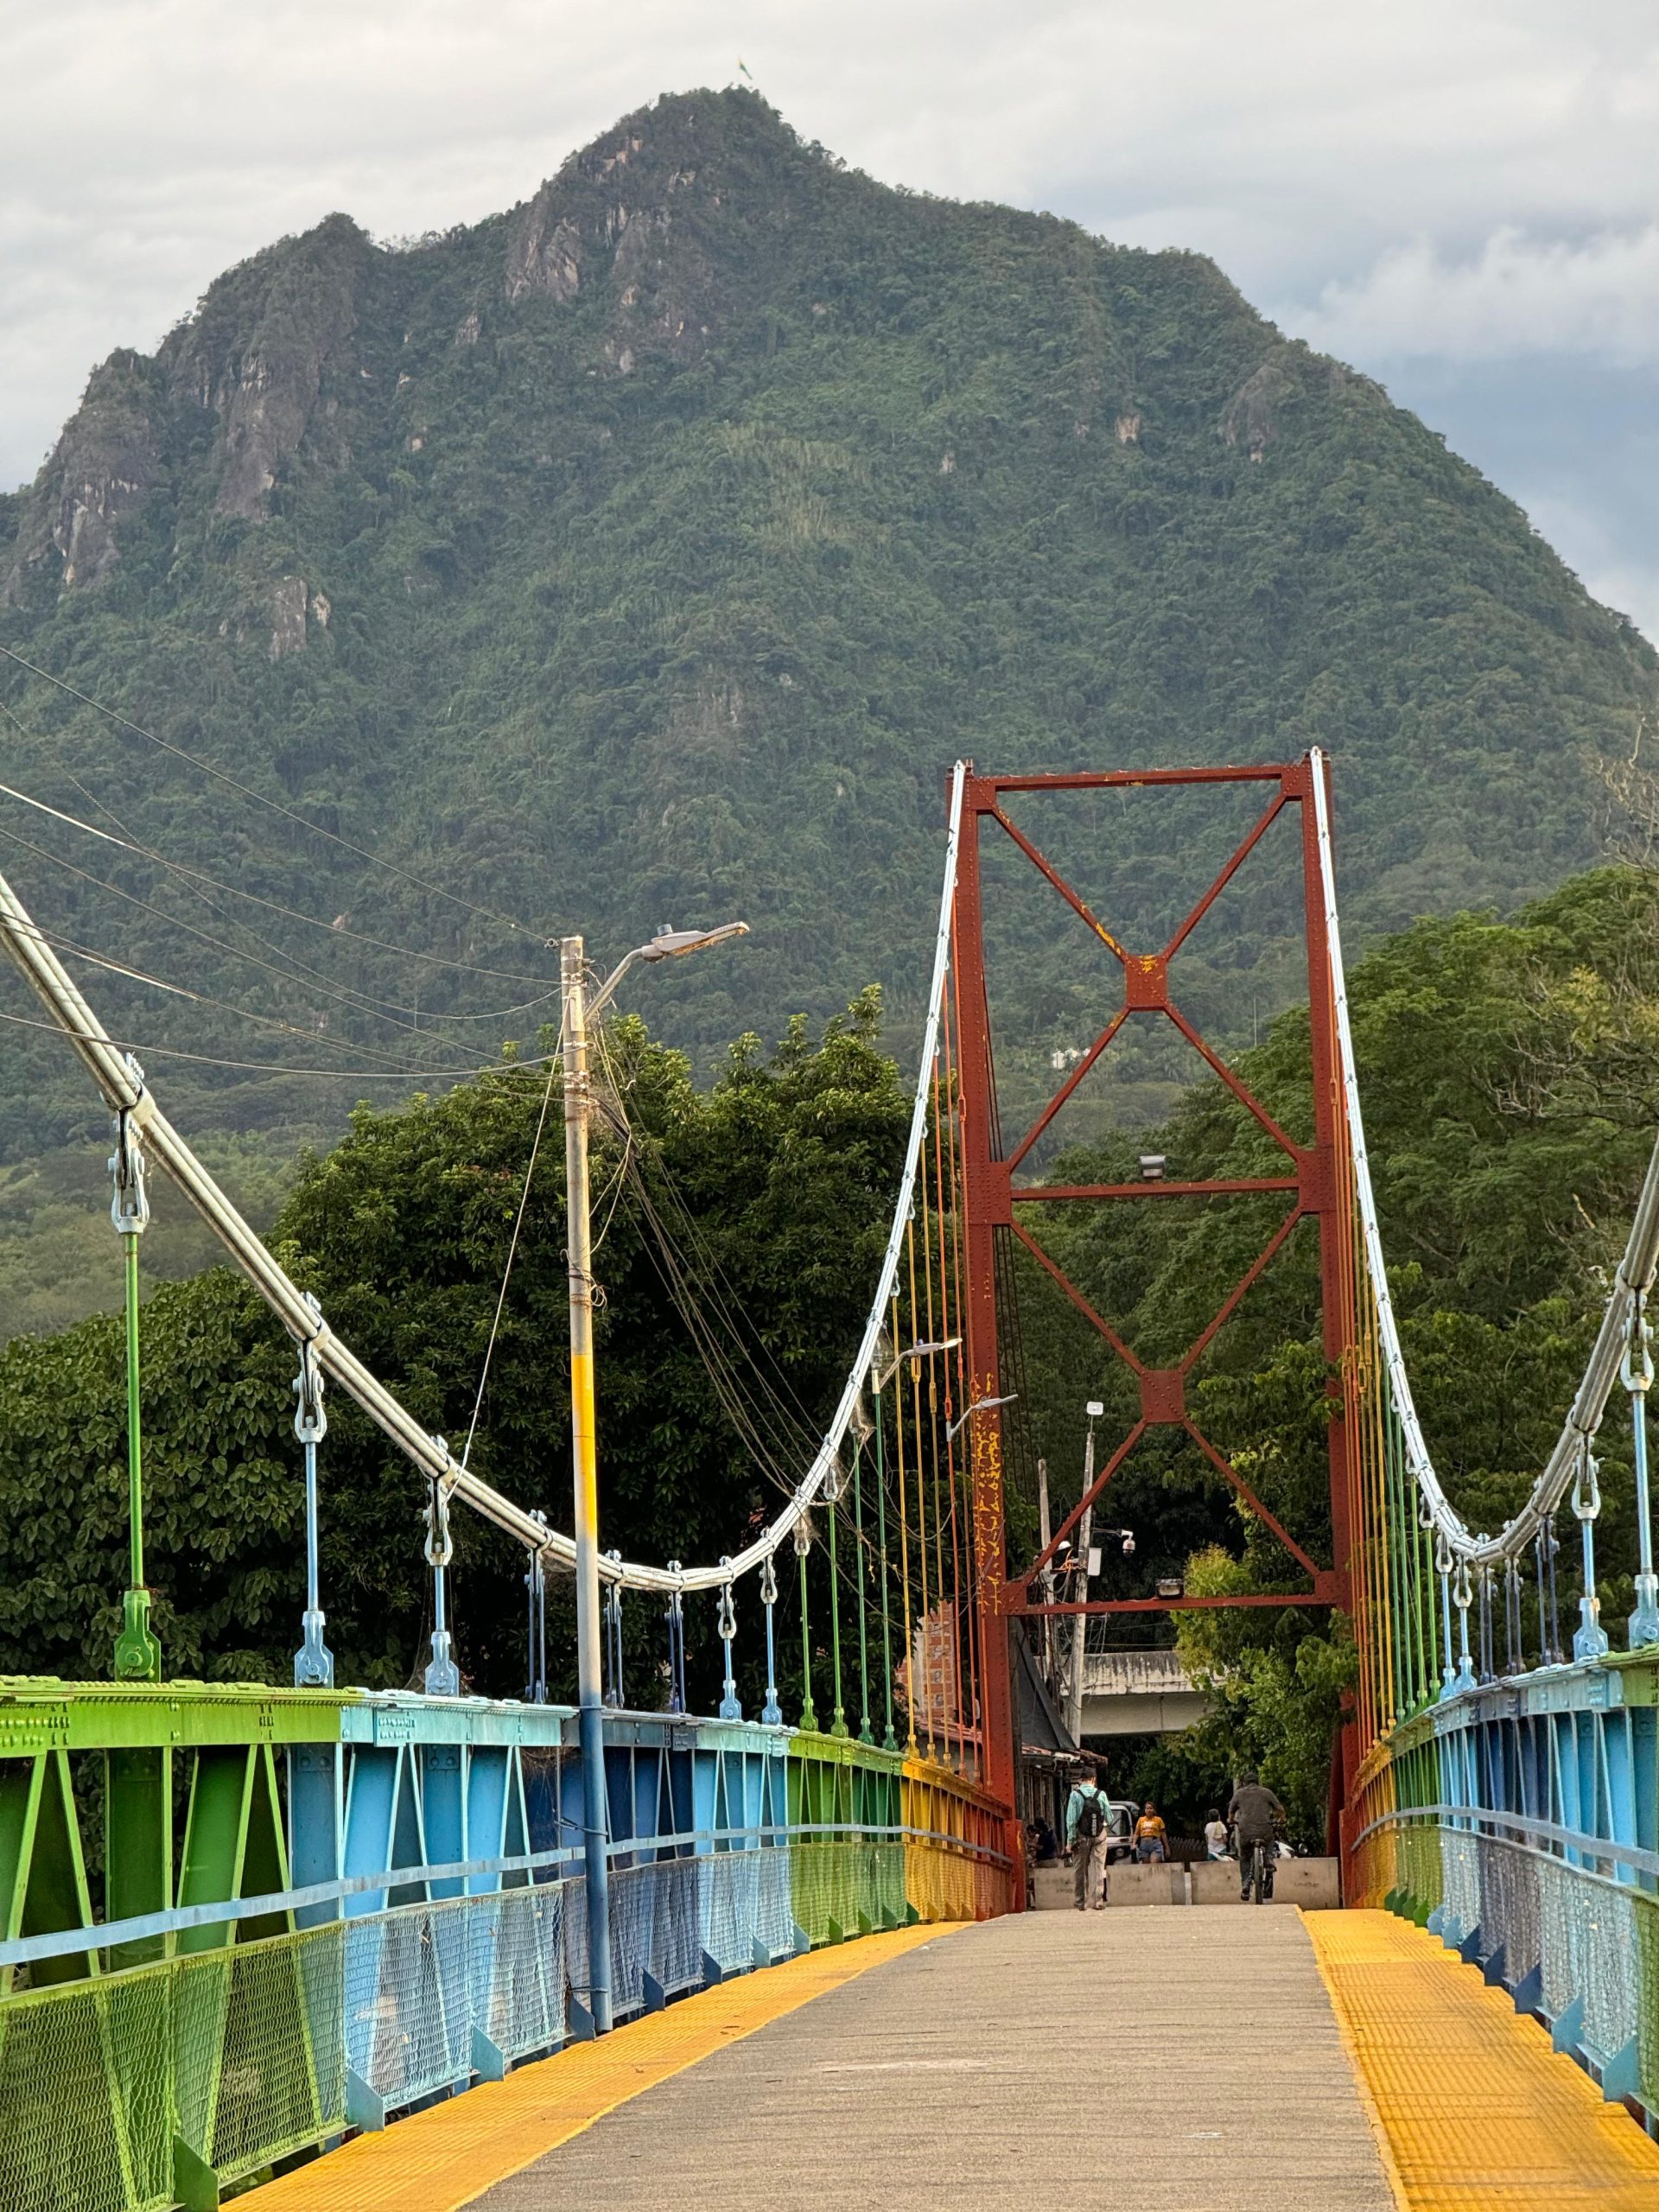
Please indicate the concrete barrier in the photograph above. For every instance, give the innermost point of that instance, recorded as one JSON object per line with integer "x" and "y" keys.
{"x": 1133, "y": 1885}
{"x": 1310, "y": 1882}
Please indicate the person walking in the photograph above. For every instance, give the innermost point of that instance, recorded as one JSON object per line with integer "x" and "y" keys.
{"x": 1255, "y": 1815}
{"x": 1151, "y": 1837}
{"x": 1087, "y": 1819}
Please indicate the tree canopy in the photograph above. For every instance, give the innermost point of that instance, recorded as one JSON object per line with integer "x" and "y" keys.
{"x": 746, "y": 1218}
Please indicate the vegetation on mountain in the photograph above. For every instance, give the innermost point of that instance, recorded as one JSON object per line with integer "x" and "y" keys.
{"x": 647, "y": 553}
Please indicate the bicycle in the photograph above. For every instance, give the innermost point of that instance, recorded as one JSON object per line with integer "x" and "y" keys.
{"x": 1255, "y": 1864}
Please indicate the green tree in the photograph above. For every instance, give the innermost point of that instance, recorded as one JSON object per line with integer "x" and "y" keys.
{"x": 746, "y": 1220}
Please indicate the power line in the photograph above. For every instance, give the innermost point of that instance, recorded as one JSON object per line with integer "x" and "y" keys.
{"x": 506, "y": 1272}
{"x": 334, "y": 930}
{"x": 316, "y": 829}
{"x": 182, "y": 991}
{"x": 295, "y": 973}
{"x": 149, "y": 1052}
{"x": 194, "y": 878}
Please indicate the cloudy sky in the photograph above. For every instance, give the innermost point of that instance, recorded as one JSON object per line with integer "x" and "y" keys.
{"x": 1456, "y": 195}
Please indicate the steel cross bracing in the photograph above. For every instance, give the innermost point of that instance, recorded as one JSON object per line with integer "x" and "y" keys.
{"x": 996, "y": 1200}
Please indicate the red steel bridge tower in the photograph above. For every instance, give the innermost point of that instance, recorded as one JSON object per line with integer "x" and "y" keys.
{"x": 999, "y": 1208}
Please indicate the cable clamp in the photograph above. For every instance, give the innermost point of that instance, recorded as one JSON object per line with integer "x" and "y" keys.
{"x": 129, "y": 1204}
{"x": 726, "y": 1620}
{"x": 440, "y": 1544}
{"x": 769, "y": 1581}
{"x": 1586, "y": 1486}
{"x": 803, "y": 1535}
{"x": 310, "y": 1421}
{"x": 1636, "y": 1369}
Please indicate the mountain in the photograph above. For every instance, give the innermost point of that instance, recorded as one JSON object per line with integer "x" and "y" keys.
{"x": 646, "y": 555}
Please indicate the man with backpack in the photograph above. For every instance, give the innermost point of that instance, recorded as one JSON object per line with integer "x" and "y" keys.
{"x": 1087, "y": 1819}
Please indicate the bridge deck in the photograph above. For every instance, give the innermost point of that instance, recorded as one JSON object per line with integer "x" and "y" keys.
{"x": 1189, "y": 2058}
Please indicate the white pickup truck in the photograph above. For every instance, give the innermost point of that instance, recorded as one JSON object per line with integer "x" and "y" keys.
{"x": 1121, "y": 1817}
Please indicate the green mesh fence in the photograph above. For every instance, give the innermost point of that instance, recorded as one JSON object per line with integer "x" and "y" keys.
{"x": 98, "y": 2078}
{"x": 834, "y": 1880}
{"x": 1646, "y": 1912}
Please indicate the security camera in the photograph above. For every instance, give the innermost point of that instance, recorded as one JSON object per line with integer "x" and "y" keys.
{"x": 1128, "y": 1544}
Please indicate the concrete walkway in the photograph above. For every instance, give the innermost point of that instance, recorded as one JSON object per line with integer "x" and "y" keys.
{"x": 1186, "y": 2060}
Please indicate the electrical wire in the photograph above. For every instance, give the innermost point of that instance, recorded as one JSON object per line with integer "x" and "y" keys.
{"x": 182, "y": 991}
{"x": 195, "y": 876}
{"x": 798, "y": 1421}
{"x": 506, "y": 1272}
{"x": 153, "y": 1052}
{"x": 223, "y": 776}
{"x": 794, "y": 1425}
{"x": 356, "y": 1001}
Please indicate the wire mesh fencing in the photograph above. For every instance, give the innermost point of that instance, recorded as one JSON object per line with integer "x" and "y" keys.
{"x": 656, "y": 1930}
{"x": 744, "y": 1906}
{"x": 235, "y": 2056}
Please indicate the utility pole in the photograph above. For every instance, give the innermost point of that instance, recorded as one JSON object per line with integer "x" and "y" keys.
{"x": 1080, "y": 1621}
{"x": 584, "y": 1457}
{"x": 590, "y": 1719}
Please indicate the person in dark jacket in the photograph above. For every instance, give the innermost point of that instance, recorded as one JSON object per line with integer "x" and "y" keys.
{"x": 1253, "y": 1816}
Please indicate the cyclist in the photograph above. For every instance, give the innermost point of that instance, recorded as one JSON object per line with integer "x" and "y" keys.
{"x": 1253, "y": 1816}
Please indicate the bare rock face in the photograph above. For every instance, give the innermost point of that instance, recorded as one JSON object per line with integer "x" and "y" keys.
{"x": 287, "y": 605}
{"x": 111, "y": 454}
{"x": 261, "y": 349}
{"x": 258, "y": 354}
{"x": 1249, "y": 418}
{"x": 545, "y": 253}
{"x": 277, "y": 615}
{"x": 633, "y": 216}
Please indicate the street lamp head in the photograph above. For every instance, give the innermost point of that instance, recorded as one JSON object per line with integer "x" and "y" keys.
{"x": 886, "y": 1365}
{"x": 979, "y": 1406}
{"x": 668, "y": 945}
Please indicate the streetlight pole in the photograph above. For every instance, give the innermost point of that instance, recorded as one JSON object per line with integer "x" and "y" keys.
{"x": 590, "y": 1721}
{"x": 1079, "y": 1624}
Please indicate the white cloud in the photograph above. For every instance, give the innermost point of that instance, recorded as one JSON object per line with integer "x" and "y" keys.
{"x": 1519, "y": 294}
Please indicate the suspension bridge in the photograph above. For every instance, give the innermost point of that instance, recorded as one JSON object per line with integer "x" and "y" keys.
{"x": 424, "y": 1948}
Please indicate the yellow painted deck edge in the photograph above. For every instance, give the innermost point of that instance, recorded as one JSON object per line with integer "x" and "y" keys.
{"x": 453, "y": 2153}
{"x": 1476, "y": 2109}
{"x": 1368, "y": 2102}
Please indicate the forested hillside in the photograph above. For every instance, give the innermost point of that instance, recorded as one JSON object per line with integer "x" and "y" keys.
{"x": 646, "y": 554}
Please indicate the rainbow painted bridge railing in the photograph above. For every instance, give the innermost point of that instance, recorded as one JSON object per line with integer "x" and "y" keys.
{"x": 239, "y": 1921}
{"x": 1519, "y": 1820}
